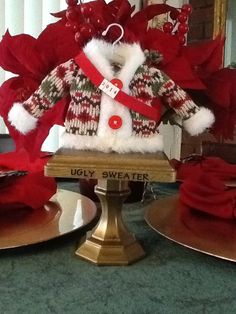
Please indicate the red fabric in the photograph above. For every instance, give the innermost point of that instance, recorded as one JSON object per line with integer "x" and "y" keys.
{"x": 203, "y": 187}
{"x": 208, "y": 194}
{"x": 210, "y": 165}
{"x": 33, "y": 189}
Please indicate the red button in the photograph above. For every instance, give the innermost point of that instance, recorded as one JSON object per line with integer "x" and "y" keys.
{"x": 117, "y": 83}
{"x": 115, "y": 122}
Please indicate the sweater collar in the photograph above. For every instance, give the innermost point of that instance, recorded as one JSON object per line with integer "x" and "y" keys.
{"x": 100, "y": 53}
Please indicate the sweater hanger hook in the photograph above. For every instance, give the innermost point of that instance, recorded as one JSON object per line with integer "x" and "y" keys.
{"x": 121, "y": 35}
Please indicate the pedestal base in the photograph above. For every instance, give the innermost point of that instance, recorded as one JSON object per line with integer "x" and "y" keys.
{"x": 110, "y": 242}
{"x": 101, "y": 253}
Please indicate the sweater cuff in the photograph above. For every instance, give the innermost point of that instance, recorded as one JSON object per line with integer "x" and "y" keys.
{"x": 21, "y": 119}
{"x": 199, "y": 122}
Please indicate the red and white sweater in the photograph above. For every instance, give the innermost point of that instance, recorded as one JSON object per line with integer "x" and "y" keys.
{"x": 94, "y": 120}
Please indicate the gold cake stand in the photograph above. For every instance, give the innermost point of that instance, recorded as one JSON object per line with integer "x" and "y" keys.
{"x": 110, "y": 243}
{"x": 65, "y": 212}
{"x": 200, "y": 232}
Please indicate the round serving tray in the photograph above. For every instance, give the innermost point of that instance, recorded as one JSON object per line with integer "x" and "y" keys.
{"x": 66, "y": 212}
{"x": 200, "y": 232}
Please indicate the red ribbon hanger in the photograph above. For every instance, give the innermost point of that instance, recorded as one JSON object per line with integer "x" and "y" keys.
{"x": 113, "y": 91}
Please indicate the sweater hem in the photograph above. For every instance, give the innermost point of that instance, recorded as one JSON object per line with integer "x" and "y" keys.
{"x": 132, "y": 144}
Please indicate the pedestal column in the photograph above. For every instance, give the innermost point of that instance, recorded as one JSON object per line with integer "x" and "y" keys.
{"x": 110, "y": 242}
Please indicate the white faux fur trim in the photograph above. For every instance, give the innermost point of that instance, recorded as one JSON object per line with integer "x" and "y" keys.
{"x": 100, "y": 53}
{"x": 21, "y": 119}
{"x": 113, "y": 143}
{"x": 108, "y": 108}
{"x": 199, "y": 122}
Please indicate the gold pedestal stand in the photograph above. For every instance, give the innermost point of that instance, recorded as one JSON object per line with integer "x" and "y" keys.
{"x": 110, "y": 243}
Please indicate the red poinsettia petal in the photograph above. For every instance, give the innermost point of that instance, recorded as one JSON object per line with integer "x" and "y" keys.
{"x": 179, "y": 70}
{"x": 167, "y": 45}
{"x": 194, "y": 52}
{"x": 121, "y": 9}
{"x": 18, "y": 55}
{"x": 8, "y": 59}
{"x": 205, "y": 57}
{"x": 63, "y": 48}
{"x": 60, "y": 14}
{"x": 137, "y": 25}
{"x": 26, "y": 54}
{"x": 215, "y": 61}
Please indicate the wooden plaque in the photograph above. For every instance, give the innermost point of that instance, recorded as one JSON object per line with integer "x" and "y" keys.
{"x": 110, "y": 166}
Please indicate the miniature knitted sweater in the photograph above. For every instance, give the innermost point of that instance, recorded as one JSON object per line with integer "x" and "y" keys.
{"x": 96, "y": 121}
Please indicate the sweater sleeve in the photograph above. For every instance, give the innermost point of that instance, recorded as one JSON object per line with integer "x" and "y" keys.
{"x": 56, "y": 85}
{"x": 195, "y": 119}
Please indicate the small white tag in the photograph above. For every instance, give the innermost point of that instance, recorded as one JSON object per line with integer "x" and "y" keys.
{"x": 108, "y": 88}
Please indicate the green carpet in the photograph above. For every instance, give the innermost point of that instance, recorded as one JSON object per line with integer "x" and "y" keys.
{"x": 49, "y": 278}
